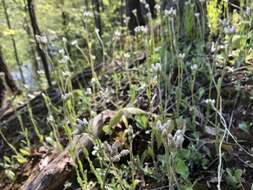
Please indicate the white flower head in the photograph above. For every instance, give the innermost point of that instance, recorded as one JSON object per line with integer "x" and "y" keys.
{"x": 171, "y": 12}
{"x": 209, "y": 101}
{"x": 41, "y": 39}
{"x": 141, "y": 29}
{"x": 156, "y": 67}
{"x": 194, "y": 67}
{"x": 229, "y": 30}
{"x": 87, "y": 14}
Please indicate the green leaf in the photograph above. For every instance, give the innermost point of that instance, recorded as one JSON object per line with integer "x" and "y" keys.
{"x": 116, "y": 119}
{"x": 142, "y": 121}
{"x": 21, "y": 159}
{"x": 24, "y": 151}
{"x": 107, "y": 129}
{"x": 134, "y": 111}
{"x": 10, "y": 174}
{"x": 181, "y": 168}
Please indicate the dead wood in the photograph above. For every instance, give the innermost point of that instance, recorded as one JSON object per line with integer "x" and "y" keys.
{"x": 57, "y": 171}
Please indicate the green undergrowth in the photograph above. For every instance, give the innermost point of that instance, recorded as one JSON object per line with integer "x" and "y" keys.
{"x": 182, "y": 117}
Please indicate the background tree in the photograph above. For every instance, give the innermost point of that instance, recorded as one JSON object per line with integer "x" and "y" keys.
{"x": 6, "y": 79}
{"x": 136, "y": 11}
{"x": 13, "y": 41}
{"x": 37, "y": 35}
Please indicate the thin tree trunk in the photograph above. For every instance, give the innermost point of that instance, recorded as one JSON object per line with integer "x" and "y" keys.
{"x": 13, "y": 42}
{"x": 87, "y": 5}
{"x": 135, "y": 19}
{"x": 96, "y": 12}
{"x": 36, "y": 32}
{"x": 65, "y": 21}
{"x": 32, "y": 50}
{"x": 6, "y": 80}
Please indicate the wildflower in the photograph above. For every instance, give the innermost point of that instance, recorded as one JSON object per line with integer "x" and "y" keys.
{"x": 181, "y": 55}
{"x": 229, "y": 30}
{"x": 66, "y": 96}
{"x": 93, "y": 57}
{"x": 66, "y": 74}
{"x": 170, "y": 12}
{"x": 81, "y": 122}
{"x": 74, "y": 43}
{"x": 40, "y": 72}
{"x": 141, "y": 29}
{"x": 248, "y": 11}
{"x": 157, "y": 7}
{"x": 147, "y": 6}
{"x": 178, "y": 138}
{"x": 117, "y": 34}
{"x": 127, "y": 55}
{"x": 64, "y": 40}
{"x": 93, "y": 81}
{"x": 95, "y": 150}
{"x": 170, "y": 140}
{"x": 61, "y": 51}
{"x": 88, "y": 92}
{"x": 87, "y": 14}
{"x": 134, "y": 11}
{"x": 194, "y": 67}
{"x": 209, "y": 101}
{"x": 64, "y": 59}
{"x": 124, "y": 152}
{"x": 126, "y": 20}
{"x": 196, "y": 15}
{"x": 41, "y": 39}
{"x": 149, "y": 15}
{"x": 143, "y": 1}
{"x": 50, "y": 118}
{"x": 163, "y": 127}
{"x": 156, "y": 67}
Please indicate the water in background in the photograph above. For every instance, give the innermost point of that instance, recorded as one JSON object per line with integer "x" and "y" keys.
{"x": 29, "y": 75}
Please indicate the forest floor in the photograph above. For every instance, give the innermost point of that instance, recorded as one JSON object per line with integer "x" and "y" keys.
{"x": 196, "y": 159}
{"x": 156, "y": 113}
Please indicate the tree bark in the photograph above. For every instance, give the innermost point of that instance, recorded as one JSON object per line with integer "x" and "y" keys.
{"x": 54, "y": 175}
{"x": 37, "y": 32}
{"x": 13, "y": 42}
{"x": 96, "y": 11}
{"x": 32, "y": 48}
{"x": 138, "y": 18}
{"x": 65, "y": 22}
{"x": 7, "y": 79}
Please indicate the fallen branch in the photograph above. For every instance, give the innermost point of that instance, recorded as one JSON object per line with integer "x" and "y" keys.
{"x": 53, "y": 176}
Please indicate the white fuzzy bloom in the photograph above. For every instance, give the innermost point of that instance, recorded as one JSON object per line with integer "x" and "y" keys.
{"x": 41, "y": 39}
{"x": 194, "y": 67}
{"x": 156, "y": 67}
{"x": 87, "y": 14}
{"x": 141, "y": 29}
{"x": 179, "y": 138}
{"x": 170, "y": 12}
{"x": 209, "y": 101}
{"x": 229, "y": 30}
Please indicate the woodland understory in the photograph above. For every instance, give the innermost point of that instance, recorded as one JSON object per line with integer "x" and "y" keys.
{"x": 129, "y": 94}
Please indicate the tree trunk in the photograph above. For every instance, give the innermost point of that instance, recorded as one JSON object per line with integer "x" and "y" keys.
{"x": 31, "y": 50}
{"x": 138, "y": 18}
{"x": 6, "y": 80}
{"x": 96, "y": 11}
{"x": 65, "y": 21}
{"x": 13, "y": 42}
{"x": 36, "y": 32}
